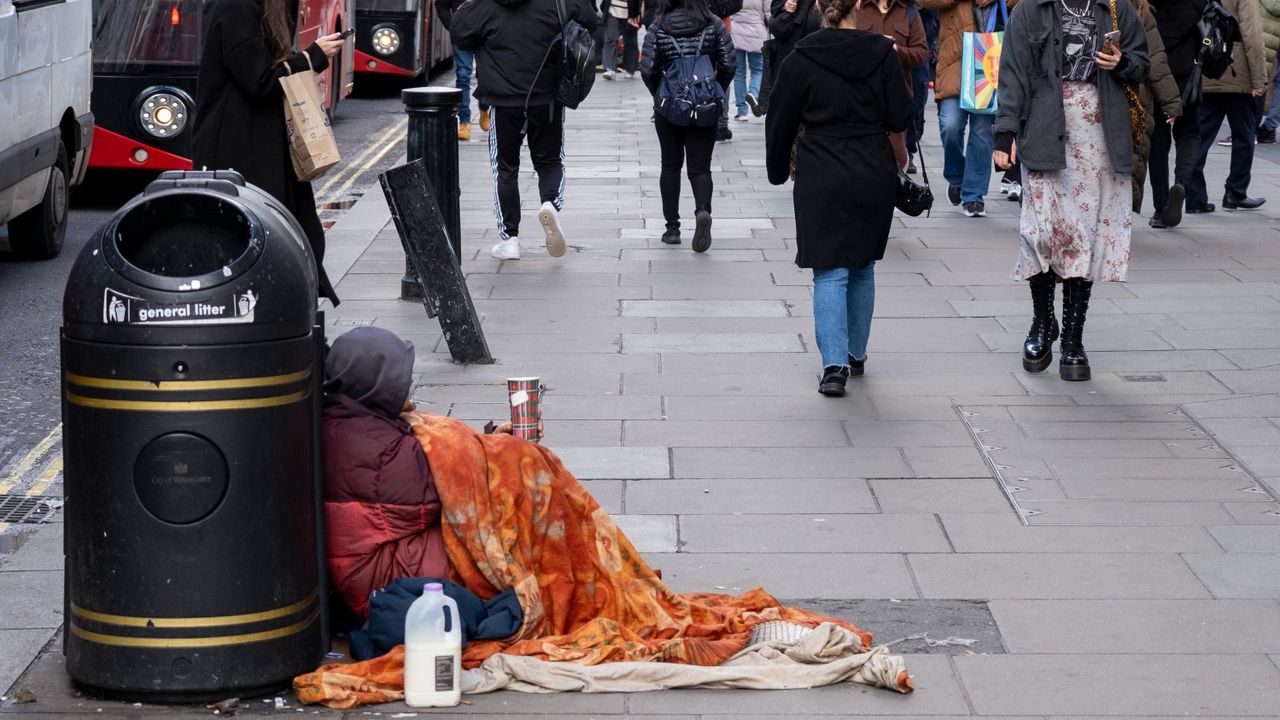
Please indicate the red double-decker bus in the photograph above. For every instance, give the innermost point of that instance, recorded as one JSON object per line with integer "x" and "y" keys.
{"x": 145, "y": 58}
{"x": 399, "y": 38}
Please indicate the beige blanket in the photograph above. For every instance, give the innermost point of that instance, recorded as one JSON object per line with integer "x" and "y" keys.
{"x": 826, "y": 656}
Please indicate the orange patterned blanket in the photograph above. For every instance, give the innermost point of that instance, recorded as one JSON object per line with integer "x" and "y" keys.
{"x": 514, "y": 517}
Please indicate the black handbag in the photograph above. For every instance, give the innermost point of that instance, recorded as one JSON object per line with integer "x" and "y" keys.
{"x": 914, "y": 198}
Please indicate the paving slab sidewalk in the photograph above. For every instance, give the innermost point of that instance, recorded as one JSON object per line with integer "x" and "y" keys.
{"x": 1123, "y": 532}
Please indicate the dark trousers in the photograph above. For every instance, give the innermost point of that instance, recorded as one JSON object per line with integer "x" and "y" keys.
{"x": 1241, "y": 113}
{"x": 545, "y": 130}
{"x": 919, "y": 96}
{"x": 679, "y": 145}
{"x": 613, "y": 27}
{"x": 1184, "y": 139}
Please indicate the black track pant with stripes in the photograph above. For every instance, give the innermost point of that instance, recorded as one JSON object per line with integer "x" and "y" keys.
{"x": 545, "y": 129}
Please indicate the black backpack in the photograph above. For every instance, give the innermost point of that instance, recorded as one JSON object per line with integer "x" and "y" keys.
{"x": 688, "y": 93}
{"x": 1219, "y": 32}
{"x": 578, "y": 52}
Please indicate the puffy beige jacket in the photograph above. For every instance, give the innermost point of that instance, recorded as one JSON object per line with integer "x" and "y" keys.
{"x": 1250, "y": 68}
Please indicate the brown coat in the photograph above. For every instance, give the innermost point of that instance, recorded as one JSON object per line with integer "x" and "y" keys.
{"x": 896, "y": 24}
{"x": 1249, "y": 70}
{"x": 955, "y": 18}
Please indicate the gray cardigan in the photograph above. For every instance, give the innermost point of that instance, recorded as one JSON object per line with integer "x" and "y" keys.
{"x": 1030, "y": 95}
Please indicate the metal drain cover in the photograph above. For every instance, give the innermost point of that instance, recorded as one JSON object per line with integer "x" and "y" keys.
{"x": 28, "y": 510}
{"x": 1143, "y": 378}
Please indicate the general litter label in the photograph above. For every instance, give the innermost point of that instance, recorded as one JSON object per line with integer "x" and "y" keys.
{"x": 121, "y": 309}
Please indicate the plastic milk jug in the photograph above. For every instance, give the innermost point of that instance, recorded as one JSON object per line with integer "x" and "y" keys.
{"x": 432, "y": 650}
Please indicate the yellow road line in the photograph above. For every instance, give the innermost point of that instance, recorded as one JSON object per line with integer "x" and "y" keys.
{"x": 360, "y": 162}
{"x": 32, "y": 458}
{"x": 46, "y": 478}
{"x": 372, "y": 161}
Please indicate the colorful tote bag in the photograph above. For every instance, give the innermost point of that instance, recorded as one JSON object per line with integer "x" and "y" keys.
{"x": 980, "y": 65}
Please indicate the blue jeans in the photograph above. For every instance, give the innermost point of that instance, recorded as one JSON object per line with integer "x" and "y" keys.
{"x": 740, "y": 91}
{"x": 969, "y": 168}
{"x": 464, "y": 62}
{"x": 1238, "y": 109}
{"x": 1272, "y": 120}
{"x": 843, "y": 300}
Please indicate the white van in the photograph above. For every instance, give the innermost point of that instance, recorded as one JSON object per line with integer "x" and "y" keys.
{"x": 45, "y": 123}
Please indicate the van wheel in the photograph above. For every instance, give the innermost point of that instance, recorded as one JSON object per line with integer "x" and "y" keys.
{"x": 38, "y": 233}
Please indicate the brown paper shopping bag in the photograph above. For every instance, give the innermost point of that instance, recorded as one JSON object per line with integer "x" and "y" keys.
{"x": 311, "y": 143}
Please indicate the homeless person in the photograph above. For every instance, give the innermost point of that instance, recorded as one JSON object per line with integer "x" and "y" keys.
{"x": 382, "y": 513}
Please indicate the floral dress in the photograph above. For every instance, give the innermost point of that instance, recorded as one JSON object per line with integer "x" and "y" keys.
{"x": 1076, "y": 221}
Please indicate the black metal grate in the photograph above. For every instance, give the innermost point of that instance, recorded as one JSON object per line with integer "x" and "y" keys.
{"x": 1143, "y": 378}
{"x": 28, "y": 510}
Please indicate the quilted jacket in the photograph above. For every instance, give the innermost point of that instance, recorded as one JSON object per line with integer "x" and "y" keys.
{"x": 678, "y": 33}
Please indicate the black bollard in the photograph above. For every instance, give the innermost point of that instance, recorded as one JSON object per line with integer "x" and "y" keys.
{"x": 433, "y": 139}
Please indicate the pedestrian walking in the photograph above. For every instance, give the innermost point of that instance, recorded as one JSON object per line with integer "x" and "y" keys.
{"x": 515, "y": 42}
{"x": 921, "y": 82}
{"x": 684, "y": 31}
{"x": 1176, "y": 20}
{"x": 837, "y": 98}
{"x": 899, "y": 21}
{"x": 966, "y": 164}
{"x": 725, "y": 10}
{"x": 246, "y": 47}
{"x": 1271, "y": 38}
{"x": 464, "y": 66}
{"x": 1076, "y": 218}
{"x": 1160, "y": 89}
{"x": 621, "y": 20}
{"x": 1234, "y": 96}
{"x": 790, "y": 21}
{"x": 749, "y": 28}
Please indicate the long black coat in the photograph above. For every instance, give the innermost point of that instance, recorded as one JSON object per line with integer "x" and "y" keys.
{"x": 239, "y": 119}
{"x": 844, "y": 87}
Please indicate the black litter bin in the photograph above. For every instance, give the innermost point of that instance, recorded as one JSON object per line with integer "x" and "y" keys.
{"x": 191, "y": 375}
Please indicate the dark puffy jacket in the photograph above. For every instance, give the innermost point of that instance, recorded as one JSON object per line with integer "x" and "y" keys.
{"x": 511, "y": 38}
{"x": 679, "y": 33}
{"x": 719, "y": 8}
{"x": 382, "y": 513}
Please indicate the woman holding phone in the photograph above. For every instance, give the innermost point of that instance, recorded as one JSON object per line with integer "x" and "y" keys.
{"x": 247, "y": 46}
{"x": 1062, "y": 76}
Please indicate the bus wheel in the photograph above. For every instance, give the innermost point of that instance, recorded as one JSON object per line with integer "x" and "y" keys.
{"x": 38, "y": 233}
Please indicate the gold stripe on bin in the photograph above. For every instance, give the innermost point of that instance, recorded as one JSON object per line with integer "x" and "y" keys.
{"x": 192, "y": 642}
{"x": 185, "y": 405}
{"x": 196, "y": 622}
{"x": 187, "y": 385}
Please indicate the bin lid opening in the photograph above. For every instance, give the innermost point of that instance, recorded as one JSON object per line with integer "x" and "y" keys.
{"x": 187, "y": 236}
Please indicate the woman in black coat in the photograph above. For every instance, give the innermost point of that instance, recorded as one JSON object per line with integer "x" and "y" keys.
{"x": 686, "y": 28}
{"x": 838, "y": 96}
{"x": 240, "y": 125}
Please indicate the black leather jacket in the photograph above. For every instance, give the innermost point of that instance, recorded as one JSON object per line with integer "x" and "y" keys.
{"x": 678, "y": 33}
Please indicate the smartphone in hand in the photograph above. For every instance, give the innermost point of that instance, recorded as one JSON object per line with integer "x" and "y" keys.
{"x": 1111, "y": 42}
{"x": 346, "y": 33}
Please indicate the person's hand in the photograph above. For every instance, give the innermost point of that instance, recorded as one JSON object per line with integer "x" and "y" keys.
{"x": 1170, "y": 121}
{"x": 1259, "y": 92}
{"x": 1005, "y": 160}
{"x": 507, "y": 428}
{"x": 1108, "y": 57}
{"x": 330, "y": 45}
{"x": 634, "y": 22}
{"x": 790, "y": 6}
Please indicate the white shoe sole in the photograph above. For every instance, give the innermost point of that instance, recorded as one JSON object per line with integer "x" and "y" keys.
{"x": 555, "y": 236}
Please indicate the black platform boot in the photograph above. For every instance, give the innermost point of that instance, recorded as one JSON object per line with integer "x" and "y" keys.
{"x": 1037, "y": 351}
{"x": 1074, "y": 364}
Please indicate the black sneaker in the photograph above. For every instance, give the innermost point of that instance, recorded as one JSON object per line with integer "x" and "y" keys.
{"x": 1156, "y": 222}
{"x": 702, "y": 231}
{"x": 1265, "y": 136}
{"x": 975, "y": 209}
{"x": 911, "y": 164}
{"x": 953, "y": 194}
{"x": 723, "y": 134}
{"x": 1171, "y": 215}
{"x": 833, "y": 379}
{"x": 672, "y": 236}
{"x": 857, "y": 368}
{"x": 754, "y": 103}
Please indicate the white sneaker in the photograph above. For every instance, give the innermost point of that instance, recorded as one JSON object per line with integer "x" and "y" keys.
{"x": 1015, "y": 192}
{"x": 550, "y": 219}
{"x": 1005, "y": 186}
{"x": 507, "y": 249}
{"x": 608, "y": 74}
